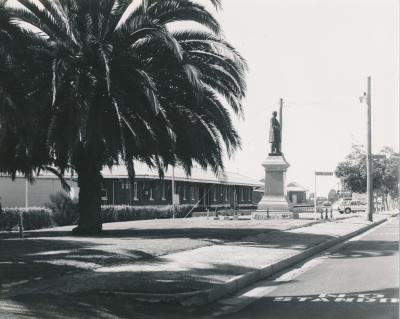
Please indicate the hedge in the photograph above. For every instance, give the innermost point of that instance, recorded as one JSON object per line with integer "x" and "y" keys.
{"x": 110, "y": 214}
{"x": 33, "y": 217}
{"x": 62, "y": 211}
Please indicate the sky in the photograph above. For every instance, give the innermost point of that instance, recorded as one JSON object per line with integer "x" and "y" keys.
{"x": 316, "y": 55}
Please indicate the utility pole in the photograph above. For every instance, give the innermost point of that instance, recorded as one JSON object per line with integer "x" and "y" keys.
{"x": 173, "y": 192}
{"x": 21, "y": 214}
{"x": 370, "y": 203}
{"x": 315, "y": 196}
{"x": 280, "y": 118}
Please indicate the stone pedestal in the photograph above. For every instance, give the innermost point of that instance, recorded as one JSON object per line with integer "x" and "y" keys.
{"x": 274, "y": 199}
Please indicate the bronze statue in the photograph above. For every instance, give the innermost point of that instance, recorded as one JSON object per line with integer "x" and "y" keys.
{"x": 275, "y": 135}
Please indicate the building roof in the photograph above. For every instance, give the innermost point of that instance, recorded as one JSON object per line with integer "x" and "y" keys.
{"x": 198, "y": 175}
{"x": 295, "y": 187}
{"x": 143, "y": 171}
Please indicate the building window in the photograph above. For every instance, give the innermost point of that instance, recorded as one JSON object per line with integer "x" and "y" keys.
{"x": 184, "y": 192}
{"x": 163, "y": 191}
{"x": 151, "y": 193}
{"x": 241, "y": 194}
{"x": 226, "y": 193}
{"x": 249, "y": 199}
{"x": 215, "y": 193}
{"x": 135, "y": 188}
{"x": 125, "y": 185}
{"x": 193, "y": 192}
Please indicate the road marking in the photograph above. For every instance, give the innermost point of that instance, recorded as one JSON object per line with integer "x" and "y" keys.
{"x": 361, "y": 298}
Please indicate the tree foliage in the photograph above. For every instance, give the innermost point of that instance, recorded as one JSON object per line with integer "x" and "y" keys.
{"x": 87, "y": 83}
{"x": 332, "y": 196}
{"x": 353, "y": 172}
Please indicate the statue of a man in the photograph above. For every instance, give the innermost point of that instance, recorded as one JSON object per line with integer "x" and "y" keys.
{"x": 275, "y": 135}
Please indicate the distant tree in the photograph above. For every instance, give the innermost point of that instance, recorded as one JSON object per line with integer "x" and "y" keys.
{"x": 332, "y": 196}
{"x": 353, "y": 173}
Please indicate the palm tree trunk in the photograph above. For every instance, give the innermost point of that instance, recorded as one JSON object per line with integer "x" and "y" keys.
{"x": 89, "y": 182}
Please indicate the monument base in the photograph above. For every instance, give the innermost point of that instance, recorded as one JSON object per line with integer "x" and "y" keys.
{"x": 271, "y": 207}
{"x": 262, "y": 215}
{"x": 274, "y": 203}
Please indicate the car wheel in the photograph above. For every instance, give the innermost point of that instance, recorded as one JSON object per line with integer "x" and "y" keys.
{"x": 347, "y": 210}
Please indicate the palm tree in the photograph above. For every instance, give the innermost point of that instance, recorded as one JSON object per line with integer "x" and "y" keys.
{"x": 90, "y": 83}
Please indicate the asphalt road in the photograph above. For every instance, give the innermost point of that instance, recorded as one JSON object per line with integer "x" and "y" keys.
{"x": 359, "y": 280}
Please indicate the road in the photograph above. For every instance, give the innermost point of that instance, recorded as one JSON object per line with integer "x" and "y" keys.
{"x": 358, "y": 280}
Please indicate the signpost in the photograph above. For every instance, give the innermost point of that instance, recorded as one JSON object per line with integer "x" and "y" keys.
{"x": 21, "y": 216}
{"x": 174, "y": 197}
{"x": 315, "y": 189}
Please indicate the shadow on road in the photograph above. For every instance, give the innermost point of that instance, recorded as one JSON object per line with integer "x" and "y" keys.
{"x": 368, "y": 248}
{"x": 357, "y": 304}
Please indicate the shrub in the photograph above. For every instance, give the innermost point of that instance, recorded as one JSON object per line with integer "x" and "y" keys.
{"x": 120, "y": 213}
{"x": 64, "y": 209}
{"x": 34, "y": 218}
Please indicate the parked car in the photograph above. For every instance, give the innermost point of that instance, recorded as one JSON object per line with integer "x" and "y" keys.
{"x": 352, "y": 206}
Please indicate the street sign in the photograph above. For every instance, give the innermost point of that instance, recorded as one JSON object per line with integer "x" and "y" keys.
{"x": 324, "y": 173}
{"x": 315, "y": 189}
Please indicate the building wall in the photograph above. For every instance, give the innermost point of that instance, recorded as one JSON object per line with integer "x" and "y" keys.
{"x": 159, "y": 192}
{"x": 142, "y": 192}
{"x": 257, "y": 196}
{"x": 121, "y": 192}
{"x": 12, "y": 193}
{"x": 301, "y": 197}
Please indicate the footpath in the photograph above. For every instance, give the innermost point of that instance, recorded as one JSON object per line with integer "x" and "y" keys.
{"x": 192, "y": 262}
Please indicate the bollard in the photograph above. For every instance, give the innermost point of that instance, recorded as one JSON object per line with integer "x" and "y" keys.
{"x": 326, "y": 213}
